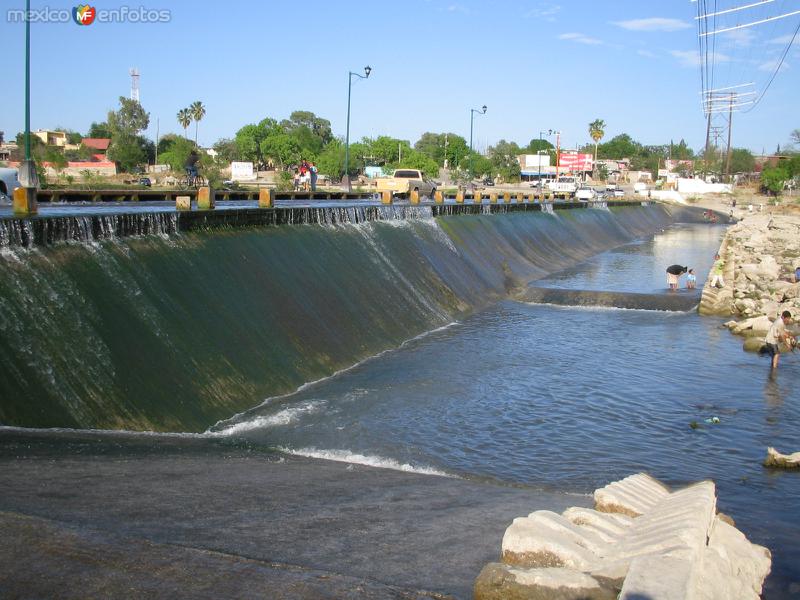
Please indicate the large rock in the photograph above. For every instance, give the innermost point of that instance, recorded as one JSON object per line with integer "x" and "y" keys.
{"x": 783, "y": 461}
{"x": 641, "y": 541}
{"x": 498, "y": 581}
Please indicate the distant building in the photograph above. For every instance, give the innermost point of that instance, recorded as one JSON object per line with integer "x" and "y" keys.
{"x": 52, "y": 138}
{"x": 6, "y": 150}
{"x": 99, "y": 145}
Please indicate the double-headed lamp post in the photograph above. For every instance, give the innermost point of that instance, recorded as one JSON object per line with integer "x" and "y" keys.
{"x": 549, "y": 132}
{"x": 367, "y": 71}
{"x": 472, "y": 112}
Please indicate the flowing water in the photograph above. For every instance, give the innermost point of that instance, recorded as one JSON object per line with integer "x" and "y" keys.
{"x": 571, "y": 399}
{"x": 475, "y": 386}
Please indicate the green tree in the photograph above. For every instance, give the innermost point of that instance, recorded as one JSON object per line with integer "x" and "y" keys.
{"x": 281, "y": 148}
{"x": 131, "y": 118}
{"x": 535, "y": 145}
{"x": 681, "y": 151}
{"x": 184, "y": 117}
{"x": 597, "y": 129}
{"x": 198, "y": 111}
{"x": 773, "y": 179}
{"x": 166, "y": 141}
{"x": 619, "y": 147}
{"x": 417, "y": 160}
{"x": 317, "y": 126}
{"x": 742, "y": 161}
{"x": 331, "y": 160}
{"x": 503, "y": 158}
{"x": 99, "y": 130}
{"x": 226, "y": 150}
{"x": 177, "y": 153}
{"x": 127, "y": 151}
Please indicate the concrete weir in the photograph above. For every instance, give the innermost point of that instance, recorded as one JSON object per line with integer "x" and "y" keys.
{"x": 681, "y": 302}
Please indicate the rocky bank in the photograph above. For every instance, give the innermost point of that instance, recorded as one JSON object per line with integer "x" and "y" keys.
{"x": 761, "y": 253}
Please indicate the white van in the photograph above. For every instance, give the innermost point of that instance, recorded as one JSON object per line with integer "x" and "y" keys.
{"x": 8, "y": 183}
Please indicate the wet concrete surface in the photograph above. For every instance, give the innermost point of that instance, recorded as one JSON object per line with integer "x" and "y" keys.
{"x": 114, "y": 515}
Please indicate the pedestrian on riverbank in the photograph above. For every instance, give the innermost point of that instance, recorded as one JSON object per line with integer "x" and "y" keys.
{"x": 673, "y": 274}
{"x": 296, "y": 181}
{"x": 797, "y": 275}
{"x": 716, "y": 270}
{"x": 777, "y": 333}
{"x": 691, "y": 280}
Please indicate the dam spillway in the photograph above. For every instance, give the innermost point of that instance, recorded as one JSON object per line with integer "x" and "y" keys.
{"x": 171, "y": 322}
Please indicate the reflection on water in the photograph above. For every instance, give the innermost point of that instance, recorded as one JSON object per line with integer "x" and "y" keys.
{"x": 640, "y": 266}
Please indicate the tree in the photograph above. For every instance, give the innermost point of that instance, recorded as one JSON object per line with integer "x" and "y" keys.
{"x": 282, "y": 148}
{"x": 417, "y": 160}
{"x": 198, "y": 111}
{"x": 681, "y": 151}
{"x": 503, "y": 158}
{"x": 742, "y": 161}
{"x": 795, "y": 136}
{"x": 131, "y": 118}
{"x": 597, "y": 129}
{"x": 177, "y": 153}
{"x": 184, "y": 119}
{"x": 226, "y": 150}
{"x": 99, "y": 130}
{"x": 127, "y": 151}
{"x": 619, "y": 147}
{"x": 773, "y": 179}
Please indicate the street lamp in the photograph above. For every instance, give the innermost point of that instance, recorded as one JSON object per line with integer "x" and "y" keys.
{"x": 367, "y": 71}
{"x": 472, "y": 112}
{"x": 27, "y": 170}
{"x": 549, "y": 132}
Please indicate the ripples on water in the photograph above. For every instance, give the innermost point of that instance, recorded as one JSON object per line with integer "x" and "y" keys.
{"x": 572, "y": 399}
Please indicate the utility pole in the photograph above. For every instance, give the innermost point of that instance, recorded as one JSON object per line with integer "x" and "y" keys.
{"x": 708, "y": 140}
{"x": 730, "y": 129}
{"x": 445, "y": 150}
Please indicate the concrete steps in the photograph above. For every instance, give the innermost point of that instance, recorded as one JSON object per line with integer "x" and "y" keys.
{"x": 642, "y": 540}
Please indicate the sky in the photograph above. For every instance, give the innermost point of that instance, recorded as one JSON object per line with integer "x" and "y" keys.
{"x": 536, "y": 65}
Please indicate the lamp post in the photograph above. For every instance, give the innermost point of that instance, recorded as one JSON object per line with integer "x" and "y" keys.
{"x": 367, "y": 71}
{"x": 472, "y": 112}
{"x": 27, "y": 170}
{"x": 549, "y": 132}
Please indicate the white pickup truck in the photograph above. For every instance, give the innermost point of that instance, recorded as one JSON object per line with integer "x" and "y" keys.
{"x": 564, "y": 187}
{"x": 405, "y": 181}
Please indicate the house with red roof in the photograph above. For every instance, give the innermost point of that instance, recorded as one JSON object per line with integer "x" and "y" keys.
{"x": 99, "y": 145}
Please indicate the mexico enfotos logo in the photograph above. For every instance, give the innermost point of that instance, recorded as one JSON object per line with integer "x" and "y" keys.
{"x": 85, "y": 14}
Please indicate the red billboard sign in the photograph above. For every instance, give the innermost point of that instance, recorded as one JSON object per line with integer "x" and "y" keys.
{"x": 575, "y": 161}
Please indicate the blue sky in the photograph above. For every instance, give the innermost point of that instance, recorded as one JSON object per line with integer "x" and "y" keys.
{"x": 536, "y": 65}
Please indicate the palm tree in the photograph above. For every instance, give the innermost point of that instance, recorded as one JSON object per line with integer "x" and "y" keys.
{"x": 597, "y": 129}
{"x": 198, "y": 112}
{"x": 185, "y": 119}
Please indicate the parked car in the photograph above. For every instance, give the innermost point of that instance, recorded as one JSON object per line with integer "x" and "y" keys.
{"x": 488, "y": 182}
{"x": 585, "y": 193}
{"x": 564, "y": 187}
{"x": 617, "y": 192}
{"x": 145, "y": 181}
{"x": 8, "y": 183}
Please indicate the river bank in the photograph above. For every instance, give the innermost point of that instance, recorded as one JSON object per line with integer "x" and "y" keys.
{"x": 761, "y": 253}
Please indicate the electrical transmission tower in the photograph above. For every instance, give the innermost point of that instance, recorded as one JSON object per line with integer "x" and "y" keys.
{"x": 134, "y": 72}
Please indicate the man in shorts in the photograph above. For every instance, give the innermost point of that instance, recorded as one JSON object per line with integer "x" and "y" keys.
{"x": 777, "y": 333}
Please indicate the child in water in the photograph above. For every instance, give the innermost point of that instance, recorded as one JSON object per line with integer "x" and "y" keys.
{"x": 691, "y": 280}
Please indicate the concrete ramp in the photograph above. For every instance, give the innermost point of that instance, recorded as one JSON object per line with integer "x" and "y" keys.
{"x": 677, "y": 301}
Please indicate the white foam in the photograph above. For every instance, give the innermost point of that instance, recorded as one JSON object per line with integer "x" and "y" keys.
{"x": 595, "y": 308}
{"x": 282, "y": 418}
{"x": 347, "y": 456}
